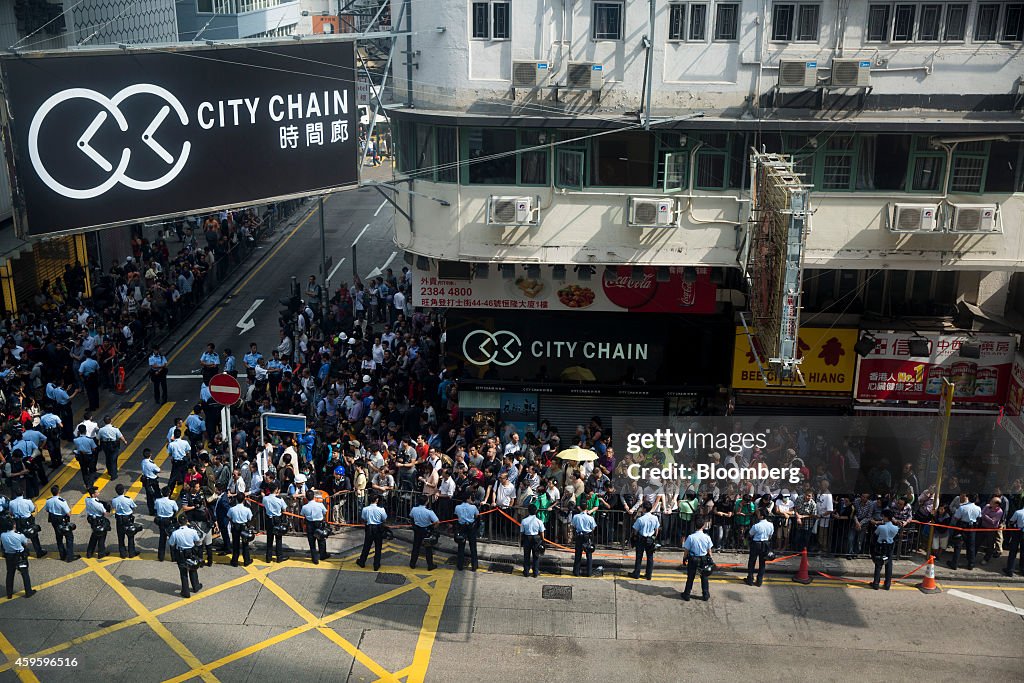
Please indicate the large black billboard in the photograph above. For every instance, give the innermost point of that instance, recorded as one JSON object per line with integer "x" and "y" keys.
{"x": 119, "y": 136}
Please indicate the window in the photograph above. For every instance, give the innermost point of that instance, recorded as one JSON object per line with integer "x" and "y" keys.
{"x": 931, "y": 20}
{"x": 926, "y": 166}
{"x": 1013, "y": 23}
{"x": 698, "y": 22}
{"x": 956, "y": 22}
{"x": 607, "y": 17}
{"x": 489, "y": 155}
{"x": 676, "y": 21}
{"x": 928, "y": 22}
{"x": 791, "y": 22}
{"x": 569, "y": 169}
{"x": 727, "y": 18}
{"x": 447, "y": 155}
{"x": 711, "y": 170}
{"x": 491, "y": 20}
{"x": 986, "y": 24}
{"x": 838, "y": 162}
{"x": 533, "y": 165}
{"x": 903, "y": 23}
{"x": 878, "y": 23}
{"x": 970, "y": 160}
{"x": 622, "y": 160}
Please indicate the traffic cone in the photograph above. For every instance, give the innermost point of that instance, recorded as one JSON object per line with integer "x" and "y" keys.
{"x": 119, "y": 387}
{"x": 928, "y": 585}
{"x": 803, "y": 575}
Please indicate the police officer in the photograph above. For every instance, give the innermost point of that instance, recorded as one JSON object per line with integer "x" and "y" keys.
{"x": 697, "y": 553}
{"x": 96, "y": 514}
{"x": 645, "y": 538}
{"x": 315, "y": 514}
{"x": 885, "y": 545}
{"x": 1015, "y": 542}
{"x": 89, "y": 370}
{"x": 158, "y": 375}
{"x": 210, "y": 362}
{"x": 85, "y": 452}
{"x": 424, "y": 521}
{"x": 583, "y": 524}
{"x": 761, "y": 534}
{"x": 466, "y": 532}
{"x": 183, "y": 541}
{"x": 52, "y": 425}
{"x": 110, "y": 440}
{"x": 179, "y": 450}
{"x": 62, "y": 401}
{"x": 195, "y": 427}
{"x": 33, "y": 463}
{"x": 193, "y": 506}
{"x": 166, "y": 509}
{"x": 150, "y": 481}
{"x": 20, "y": 479}
{"x": 249, "y": 361}
{"x": 966, "y": 517}
{"x": 374, "y": 517}
{"x": 124, "y": 509}
{"x": 23, "y": 510}
{"x": 274, "y": 508}
{"x": 16, "y": 557}
{"x": 532, "y": 530}
{"x": 239, "y": 515}
{"x": 59, "y": 516}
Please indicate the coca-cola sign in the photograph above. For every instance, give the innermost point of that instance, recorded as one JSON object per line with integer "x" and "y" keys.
{"x": 626, "y": 292}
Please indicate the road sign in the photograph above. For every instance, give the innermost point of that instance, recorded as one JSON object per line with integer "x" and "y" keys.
{"x": 225, "y": 390}
{"x": 279, "y": 422}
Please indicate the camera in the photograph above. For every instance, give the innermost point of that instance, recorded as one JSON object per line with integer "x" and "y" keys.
{"x": 247, "y": 534}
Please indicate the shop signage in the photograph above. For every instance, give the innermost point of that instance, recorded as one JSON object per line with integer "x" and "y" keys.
{"x": 828, "y": 363}
{"x": 1013, "y": 419}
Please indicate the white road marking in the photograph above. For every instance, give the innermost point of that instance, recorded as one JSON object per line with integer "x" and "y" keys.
{"x": 985, "y": 601}
{"x": 335, "y": 269}
{"x": 379, "y": 208}
{"x": 245, "y": 323}
{"x": 356, "y": 240}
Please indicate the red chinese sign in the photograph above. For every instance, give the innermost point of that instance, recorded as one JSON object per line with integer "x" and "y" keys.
{"x": 890, "y": 373}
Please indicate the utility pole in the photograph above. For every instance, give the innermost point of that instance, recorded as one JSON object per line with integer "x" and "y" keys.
{"x": 407, "y": 5}
{"x": 324, "y": 294}
{"x": 946, "y": 412}
{"x": 649, "y": 68}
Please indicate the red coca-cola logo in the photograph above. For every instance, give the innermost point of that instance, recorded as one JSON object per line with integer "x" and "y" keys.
{"x": 625, "y": 292}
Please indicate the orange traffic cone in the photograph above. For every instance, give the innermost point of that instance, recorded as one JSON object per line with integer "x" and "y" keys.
{"x": 928, "y": 585}
{"x": 119, "y": 387}
{"x": 803, "y": 574}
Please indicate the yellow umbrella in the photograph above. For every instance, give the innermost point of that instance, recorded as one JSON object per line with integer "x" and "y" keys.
{"x": 577, "y": 373}
{"x": 577, "y": 454}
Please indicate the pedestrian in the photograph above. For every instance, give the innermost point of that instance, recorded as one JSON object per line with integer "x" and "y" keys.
{"x": 277, "y": 526}
{"x": 992, "y": 520}
{"x": 166, "y": 509}
{"x": 697, "y": 555}
{"x": 532, "y": 530}
{"x": 373, "y": 518}
{"x": 466, "y": 532}
{"x": 110, "y": 440}
{"x": 184, "y": 541}
{"x": 158, "y": 375}
{"x": 16, "y": 557}
{"x": 96, "y": 514}
{"x": 150, "y": 479}
{"x": 59, "y": 515}
{"x": 1015, "y": 542}
{"x": 966, "y": 518}
{"x": 240, "y": 515}
{"x": 316, "y": 527}
{"x": 583, "y": 525}
{"x": 220, "y": 513}
{"x": 645, "y": 539}
{"x": 124, "y": 520}
{"x": 424, "y": 522}
{"x": 761, "y": 534}
{"x": 885, "y": 548}
{"x": 23, "y": 510}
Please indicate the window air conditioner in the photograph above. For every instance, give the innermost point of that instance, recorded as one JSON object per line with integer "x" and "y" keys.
{"x": 973, "y": 219}
{"x": 652, "y": 212}
{"x": 529, "y": 74}
{"x": 585, "y": 76}
{"x": 797, "y": 73}
{"x": 911, "y": 218}
{"x": 851, "y": 73}
{"x": 512, "y": 211}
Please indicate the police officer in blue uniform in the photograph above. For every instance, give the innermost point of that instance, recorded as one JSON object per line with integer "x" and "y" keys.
{"x": 96, "y": 514}
{"x": 697, "y": 554}
{"x": 761, "y": 534}
{"x": 150, "y": 479}
{"x": 645, "y": 538}
{"x": 210, "y": 362}
{"x": 239, "y": 515}
{"x": 23, "y": 510}
{"x": 424, "y": 521}
{"x": 250, "y": 360}
{"x": 33, "y": 463}
{"x": 532, "y": 530}
{"x": 885, "y": 546}
{"x": 184, "y": 542}
{"x": 59, "y": 514}
{"x": 316, "y": 526}
{"x": 374, "y": 517}
{"x": 111, "y": 439}
{"x": 230, "y": 363}
{"x": 274, "y": 507}
{"x": 52, "y": 425}
{"x": 179, "y": 450}
{"x": 466, "y": 532}
{"x": 966, "y": 517}
{"x": 195, "y": 427}
{"x": 158, "y": 375}
{"x": 89, "y": 370}
{"x": 62, "y": 401}
{"x": 166, "y": 509}
{"x": 124, "y": 517}
{"x": 16, "y": 557}
{"x": 583, "y": 525}
{"x": 85, "y": 453}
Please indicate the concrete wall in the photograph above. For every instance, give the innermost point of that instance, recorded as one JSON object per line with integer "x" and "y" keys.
{"x": 234, "y": 26}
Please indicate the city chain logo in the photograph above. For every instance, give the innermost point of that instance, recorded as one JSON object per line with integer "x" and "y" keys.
{"x": 482, "y": 347}
{"x": 112, "y": 108}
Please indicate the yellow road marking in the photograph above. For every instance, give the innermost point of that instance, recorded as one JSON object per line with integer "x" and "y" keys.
{"x": 147, "y": 616}
{"x": 123, "y": 457}
{"x": 428, "y": 630}
{"x": 11, "y": 654}
{"x": 66, "y": 577}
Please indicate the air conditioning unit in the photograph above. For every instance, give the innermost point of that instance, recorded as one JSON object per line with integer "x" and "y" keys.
{"x": 973, "y": 219}
{"x": 910, "y": 218}
{"x": 585, "y": 76}
{"x": 652, "y": 212}
{"x": 529, "y": 74}
{"x": 850, "y": 73}
{"x": 797, "y": 73}
{"x": 512, "y": 211}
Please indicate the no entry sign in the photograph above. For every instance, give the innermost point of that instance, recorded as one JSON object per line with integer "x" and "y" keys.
{"x": 225, "y": 390}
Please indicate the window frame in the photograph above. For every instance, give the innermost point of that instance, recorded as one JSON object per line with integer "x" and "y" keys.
{"x": 494, "y": 19}
{"x": 719, "y": 6}
{"x": 796, "y": 9}
{"x": 981, "y": 155}
{"x": 673, "y": 8}
{"x": 916, "y": 154}
{"x": 1003, "y": 23}
{"x": 465, "y": 162}
{"x": 489, "y": 20}
{"x": 691, "y": 34}
{"x": 918, "y": 10}
{"x": 706, "y": 150}
{"x": 524, "y": 146}
{"x": 606, "y": 4}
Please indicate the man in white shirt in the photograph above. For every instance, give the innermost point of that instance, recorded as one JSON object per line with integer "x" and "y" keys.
{"x": 825, "y": 508}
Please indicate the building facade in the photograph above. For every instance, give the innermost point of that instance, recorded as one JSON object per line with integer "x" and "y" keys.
{"x": 568, "y": 140}
{"x": 236, "y": 19}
